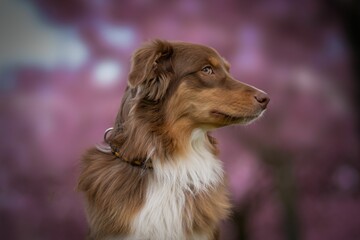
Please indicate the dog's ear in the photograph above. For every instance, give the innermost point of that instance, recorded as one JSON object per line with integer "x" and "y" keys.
{"x": 151, "y": 69}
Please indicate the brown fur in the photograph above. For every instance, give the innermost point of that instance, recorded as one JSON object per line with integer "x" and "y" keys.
{"x": 114, "y": 191}
{"x": 205, "y": 210}
{"x": 169, "y": 94}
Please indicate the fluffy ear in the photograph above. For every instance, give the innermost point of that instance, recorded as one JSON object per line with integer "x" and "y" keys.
{"x": 151, "y": 69}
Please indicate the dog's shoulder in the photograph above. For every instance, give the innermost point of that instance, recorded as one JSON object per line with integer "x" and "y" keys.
{"x": 114, "y": 192}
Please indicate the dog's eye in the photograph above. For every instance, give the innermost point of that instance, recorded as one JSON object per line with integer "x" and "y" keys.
{"x": 207, "y": 70}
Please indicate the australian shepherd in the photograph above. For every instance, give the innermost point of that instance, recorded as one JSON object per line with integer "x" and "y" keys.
{"x": 160, "y": 177}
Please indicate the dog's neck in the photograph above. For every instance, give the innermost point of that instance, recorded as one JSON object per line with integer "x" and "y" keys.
{"x": 196, "y": 168}
{"x": 172, "y": 187}
{"x": 145, "y": 163}
{"x": 140, "y": 146}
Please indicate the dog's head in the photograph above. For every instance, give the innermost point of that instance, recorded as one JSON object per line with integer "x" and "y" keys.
{"x": 190, "y": 84}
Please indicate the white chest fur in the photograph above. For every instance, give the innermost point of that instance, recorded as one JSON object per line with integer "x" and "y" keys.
{"x": 161, "y": 218}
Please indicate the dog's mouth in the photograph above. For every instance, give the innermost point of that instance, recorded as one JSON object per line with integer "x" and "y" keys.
{"x": 229, "y": 118}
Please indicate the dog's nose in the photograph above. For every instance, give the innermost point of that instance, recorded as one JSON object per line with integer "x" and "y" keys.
{"x": 262, "y": 98}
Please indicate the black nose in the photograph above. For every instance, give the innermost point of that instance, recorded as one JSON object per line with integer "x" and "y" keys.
{"x": 262, "y": 99}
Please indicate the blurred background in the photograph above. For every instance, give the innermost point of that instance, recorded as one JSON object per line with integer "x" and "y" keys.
{"x": 294, "y": 174}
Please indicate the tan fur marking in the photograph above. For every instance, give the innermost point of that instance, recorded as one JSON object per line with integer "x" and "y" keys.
{"x": 204, "y": 210}
{"x": 214, "y": 62}
{"x": 196, "y": 109}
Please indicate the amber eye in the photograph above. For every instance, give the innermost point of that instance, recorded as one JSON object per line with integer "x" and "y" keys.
{"x": 207, "y": 70}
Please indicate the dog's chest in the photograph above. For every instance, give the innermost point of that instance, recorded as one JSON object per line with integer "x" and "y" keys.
{"x": 164, "y": 212}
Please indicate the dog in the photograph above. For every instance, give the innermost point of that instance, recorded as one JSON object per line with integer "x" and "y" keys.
{"x": 160, "y": 177}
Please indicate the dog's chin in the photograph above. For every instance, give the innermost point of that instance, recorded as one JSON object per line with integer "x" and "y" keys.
{"x": 225, "y": 119}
